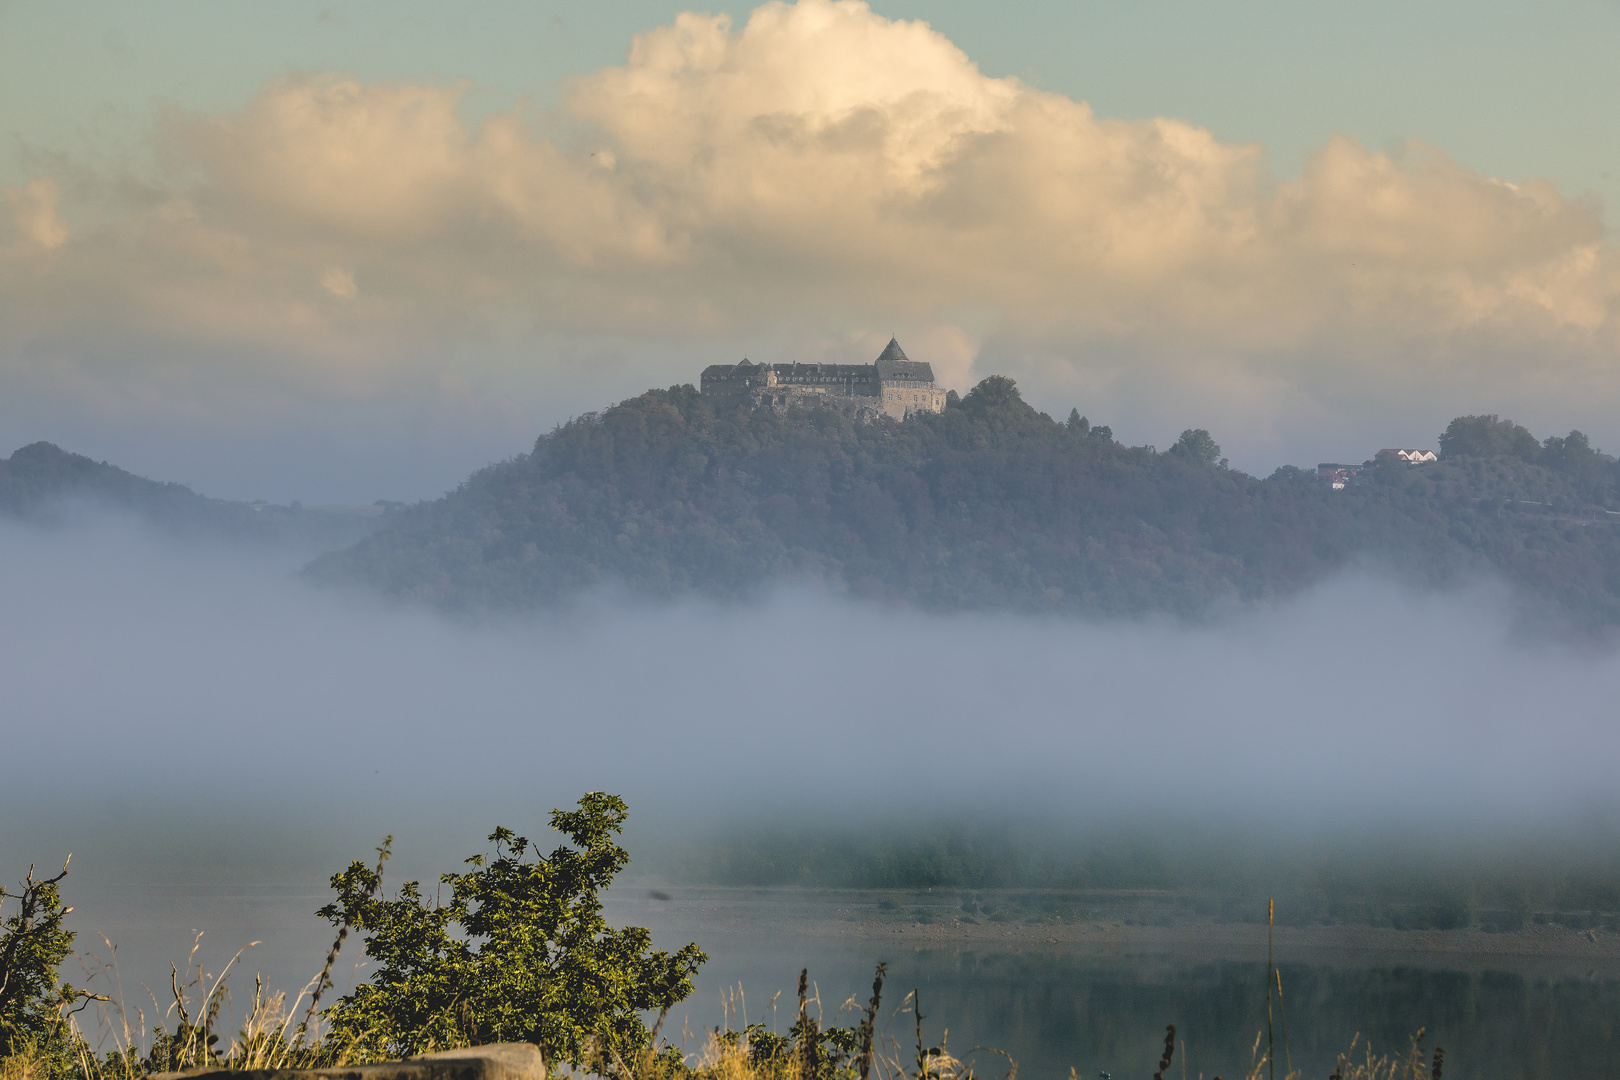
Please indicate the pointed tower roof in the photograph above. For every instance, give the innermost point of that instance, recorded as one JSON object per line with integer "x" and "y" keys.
{"x": 893, "y": 351}
{"x": 895, "y": 364}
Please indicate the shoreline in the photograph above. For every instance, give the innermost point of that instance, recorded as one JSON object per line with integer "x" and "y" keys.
{"x": 748, "y": 915}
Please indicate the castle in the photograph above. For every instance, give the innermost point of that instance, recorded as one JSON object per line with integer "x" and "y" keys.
{"x": 892, "y": 385}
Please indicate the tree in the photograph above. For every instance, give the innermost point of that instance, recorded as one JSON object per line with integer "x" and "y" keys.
{"x": 1198, "y": 447}
{"x": 1572, "y": 454}
{"x": 33, "y": 944}
{"x": 997, "y": 395}
{"x": 520, "y": 952}
{"x": 990, "y": 504}
{"x": 1391, "y": 471}
{"x": 1078, "y": 424}
{"x": 1487, "y": 436}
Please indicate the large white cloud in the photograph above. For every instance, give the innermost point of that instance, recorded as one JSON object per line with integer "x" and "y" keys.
{"x": 821, "y": 172}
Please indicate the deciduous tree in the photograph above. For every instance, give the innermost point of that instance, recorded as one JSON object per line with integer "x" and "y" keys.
{"x": 518, "y": 952}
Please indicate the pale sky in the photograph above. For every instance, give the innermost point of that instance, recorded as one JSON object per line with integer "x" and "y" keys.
{"x": 338, "y": 252}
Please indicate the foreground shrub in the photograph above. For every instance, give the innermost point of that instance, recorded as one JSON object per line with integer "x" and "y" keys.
{"x": 520, "y": 952}
{"x": 33, "y": 944}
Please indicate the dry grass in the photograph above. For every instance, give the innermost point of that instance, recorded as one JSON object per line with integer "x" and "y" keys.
{"x": 1360, "y": 1063}
{"x": 729, "y": 1055}
{"x": 1408, "y": 1066}
{"x": 724, "y": 1056}
{"x": 27, "y": 1065}
{"x": 120, "y": 1041}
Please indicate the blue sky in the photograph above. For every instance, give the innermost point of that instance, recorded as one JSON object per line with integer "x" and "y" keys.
{"x": 161, "y": 285}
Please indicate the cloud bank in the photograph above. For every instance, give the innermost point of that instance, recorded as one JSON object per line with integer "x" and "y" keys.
{"x": 804, "y": 184}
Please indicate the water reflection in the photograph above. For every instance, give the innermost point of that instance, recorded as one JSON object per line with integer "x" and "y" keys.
{"x": 1052, "y": 1009}
{"x": 1051, "y": 1012}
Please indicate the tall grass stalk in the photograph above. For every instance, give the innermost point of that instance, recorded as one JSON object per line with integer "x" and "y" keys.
{"x": 1282, "y": 1012}
{"x": 1271, "y": 1048}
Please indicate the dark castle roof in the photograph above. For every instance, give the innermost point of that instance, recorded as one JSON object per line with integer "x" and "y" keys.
{"x": 892, "y": 363}
{"x": 893, "y": 351}
{"x": 791, "y": 371}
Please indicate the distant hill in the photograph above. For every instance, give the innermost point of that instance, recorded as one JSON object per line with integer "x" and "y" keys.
{"x": 40, "y": 482}
{"x": 988, "y": 505}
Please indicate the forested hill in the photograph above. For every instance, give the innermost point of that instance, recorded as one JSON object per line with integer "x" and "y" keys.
{"x": 988, "y": 505}
{"x": 39, "y": 481}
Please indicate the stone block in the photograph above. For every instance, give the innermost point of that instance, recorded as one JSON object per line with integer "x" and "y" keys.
{"x": 497, "y": 1061}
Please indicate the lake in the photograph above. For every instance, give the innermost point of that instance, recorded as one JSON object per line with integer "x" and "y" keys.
{"x": 1095, "y": 997}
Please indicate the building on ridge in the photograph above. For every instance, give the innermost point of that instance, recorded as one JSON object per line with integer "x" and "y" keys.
{"x": 1410, "y": 457}
{"x": 1338, "y": 476}
{"x": 893, "y": 385}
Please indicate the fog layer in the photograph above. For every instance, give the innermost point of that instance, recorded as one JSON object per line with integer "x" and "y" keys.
{"x": 196, "y": 713}
{"x": 212, "y": 738}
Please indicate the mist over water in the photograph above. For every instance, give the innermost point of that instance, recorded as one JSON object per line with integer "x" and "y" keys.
{"x": 180, "y": 715}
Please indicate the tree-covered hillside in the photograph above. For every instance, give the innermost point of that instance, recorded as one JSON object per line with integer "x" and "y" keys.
{"x": 989, "y": 504}
{"x": 38, "y": 481}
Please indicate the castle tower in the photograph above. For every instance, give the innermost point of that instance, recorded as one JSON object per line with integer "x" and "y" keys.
{"x": 905, "y": 385}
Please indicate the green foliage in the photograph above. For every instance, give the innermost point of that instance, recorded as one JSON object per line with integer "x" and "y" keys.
{"x": 1575, "y": 456}
{"x": 519, "y": 952}
{"x": 33, "y": 944}
{"x": 1198, "y": 447}
{"x": 1487, "y": 436}
{"x": 987, "y": 505}
{"x": 808, "y": 1051}
{"x": 997, "y": 398}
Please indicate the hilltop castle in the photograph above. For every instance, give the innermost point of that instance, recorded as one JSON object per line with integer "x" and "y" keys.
{"x": 892, "y": 385}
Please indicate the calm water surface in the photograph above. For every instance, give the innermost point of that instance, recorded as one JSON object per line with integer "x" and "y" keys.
{"x": 1051, "y": 1009}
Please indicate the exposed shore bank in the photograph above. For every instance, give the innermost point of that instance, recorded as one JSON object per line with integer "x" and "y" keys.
{"x": 856, "y": 916}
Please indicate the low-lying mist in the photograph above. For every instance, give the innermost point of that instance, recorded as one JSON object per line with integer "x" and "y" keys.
{"x": 180, "y": 713}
